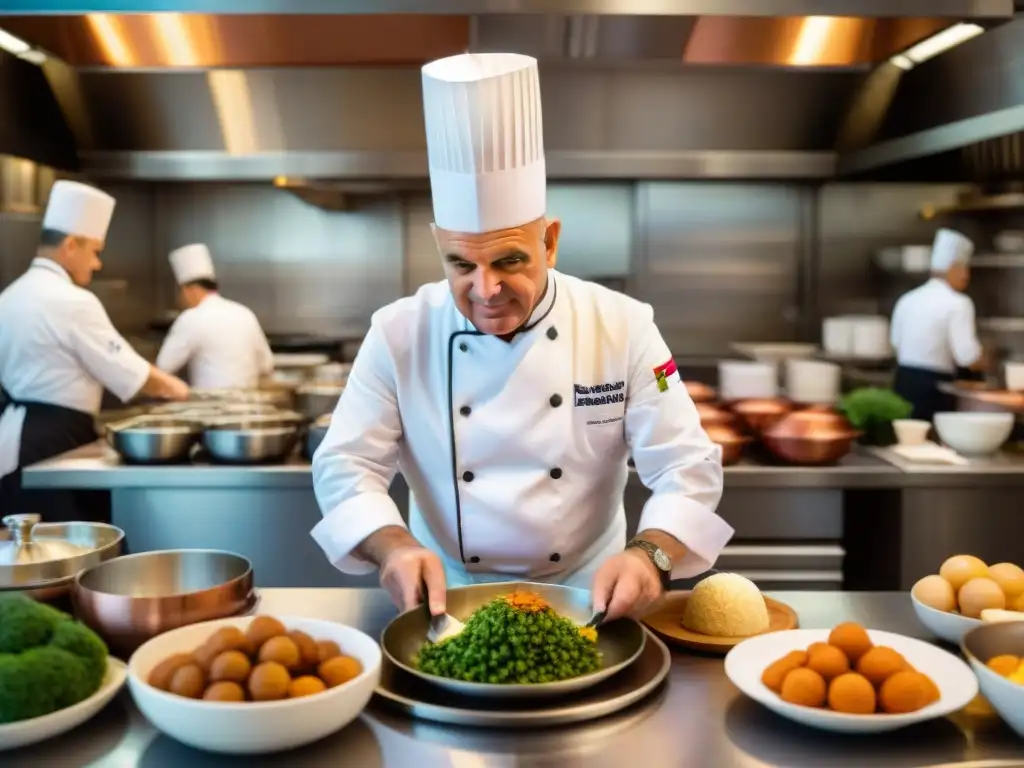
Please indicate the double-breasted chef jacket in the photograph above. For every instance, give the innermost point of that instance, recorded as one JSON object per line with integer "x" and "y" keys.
{"x": 515, "y": 452}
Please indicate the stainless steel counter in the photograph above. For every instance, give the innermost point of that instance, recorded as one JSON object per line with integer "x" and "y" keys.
{"x": 697, "y": 719}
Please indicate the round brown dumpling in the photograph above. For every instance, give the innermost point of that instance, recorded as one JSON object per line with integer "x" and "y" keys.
{"x": 162, "y": 673}
{"x": 269, "y": 681}
{"x": 815, "y": 646}
{"x": 230, "y": 665}
{"x": 880, "y": 663}
{"x": 804, "y": 687}
{"x": 932, "y": 690}
{"x": 339, "y": 670}
{"x": 906, "y": 692}
{"x": 283, "y": 650}
{"x": 776, "y": 672}
{"x": 306, "y": 685}
{"x": 828, "y": 661}
{"x": 1004, "y": 665}
{"x": 850, "y": 638}
{"x": 228, "y": 639}
{"x": 851, "y": 694}
{"x": 225, "y": 690}
{"x": 310, "y": 655}
{"x": 189, "y": 681}
{"x": 326, "y": 650}
{"x": 261, "y": 629}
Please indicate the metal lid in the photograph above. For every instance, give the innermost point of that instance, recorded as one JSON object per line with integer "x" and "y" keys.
{"x": 21, "y": 549}
{"x": 51, "y": 551}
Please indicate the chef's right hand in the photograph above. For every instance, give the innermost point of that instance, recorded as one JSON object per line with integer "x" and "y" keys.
{"x": 404, "y": 572}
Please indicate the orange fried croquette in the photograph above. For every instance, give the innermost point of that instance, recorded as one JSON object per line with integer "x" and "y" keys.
{"x": 828, "y": 661}
{"x": 776, "y": 672}
{"x": 1004, "y": 665}
{"x": 852, "y": 639}
{"x": 880, "y": 663}
{"x": 805, "y": 687}
{"x": 906, "y": 692}
{"x": 852, "y": 694}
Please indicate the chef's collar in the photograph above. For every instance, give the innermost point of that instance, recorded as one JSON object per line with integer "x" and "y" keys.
{"x": 542, "y": 310}
{"x": 51, "y": 266}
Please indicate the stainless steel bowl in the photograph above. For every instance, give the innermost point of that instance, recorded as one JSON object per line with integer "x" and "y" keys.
{"x": 619, "y": 642}
{"x": 154, "y": 442}
{"x": 133, "y": 598}
{"x": 316, "y": 399}
{"x": 244, "y": 444}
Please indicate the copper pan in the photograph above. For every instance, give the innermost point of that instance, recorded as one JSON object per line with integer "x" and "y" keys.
{"x": 710, "y": 415}
{"x": 731, "y": 442}
{"x": 760, "y": 415}
{"x": 131, "y": 599}
{"x": 700, "y": 392}
{"x": 811, "y": 438}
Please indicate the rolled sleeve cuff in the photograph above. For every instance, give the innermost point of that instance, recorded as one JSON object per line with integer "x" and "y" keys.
{"x": 134, "y": 380}
{"x": 345, "y": 527}
{"x": 701, "y": 530}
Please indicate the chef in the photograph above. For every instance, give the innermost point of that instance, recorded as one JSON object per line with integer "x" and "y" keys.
{"x": 510, "y": 395}
{"x": 58, "y": 348}
{"x": 933, "y": 329}
{"x": 220, "y": 340}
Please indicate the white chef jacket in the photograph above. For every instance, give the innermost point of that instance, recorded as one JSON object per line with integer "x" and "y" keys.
{"x": 515, "y": 453}
{"x": 933, "y": 328}
{"x": 222, "y": 343}
{"x": 58, "y": 346}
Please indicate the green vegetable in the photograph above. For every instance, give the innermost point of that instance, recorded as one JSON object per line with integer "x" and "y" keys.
{"x": 873, "y": 409}
{"x": 48, "y": 661}
{"x": 503, "y": 643}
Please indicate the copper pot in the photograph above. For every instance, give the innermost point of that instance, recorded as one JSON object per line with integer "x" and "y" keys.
{"x": 760, "y": 415}
{"x": 700, "y": 392}
{"x": 710, "y": 414}
{"x": 131, "y": 599}
{"x": 811, "y": 437}
{"x": 730, "y": 440}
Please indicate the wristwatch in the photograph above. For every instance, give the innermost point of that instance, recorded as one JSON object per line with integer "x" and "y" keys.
{"x": 662, "y": 562}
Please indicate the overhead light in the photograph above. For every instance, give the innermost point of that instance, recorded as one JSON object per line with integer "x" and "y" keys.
{"x": 21, "y": 49}
{"x": 938, "y": 43}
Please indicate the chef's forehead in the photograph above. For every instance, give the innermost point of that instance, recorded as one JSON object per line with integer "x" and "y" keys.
{"x": 526, "y": 237}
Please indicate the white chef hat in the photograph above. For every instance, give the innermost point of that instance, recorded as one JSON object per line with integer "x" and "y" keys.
{"x": 485, "y": 141}
{"x": 192, "y": 262}
{"x": 78, "y": 209}
{"x": 950, "y": 247}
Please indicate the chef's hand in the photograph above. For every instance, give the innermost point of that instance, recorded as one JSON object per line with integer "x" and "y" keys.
{"x": 626, "y": 585}
{"x": 404, "y": 572}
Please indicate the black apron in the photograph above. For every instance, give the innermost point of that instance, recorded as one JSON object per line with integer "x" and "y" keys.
{"x": 920, "y": 387}
{"x": 48, "y": 431}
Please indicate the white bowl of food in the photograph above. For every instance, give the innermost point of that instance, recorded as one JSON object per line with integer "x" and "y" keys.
{"x": 947, "y": 625}
{"x": 244, "y": 686}
{"x": 876, "y": 682}
{"x": 996, "y": 654}
{"x": 972, "y": 433}
{"x": 911, "y": 431}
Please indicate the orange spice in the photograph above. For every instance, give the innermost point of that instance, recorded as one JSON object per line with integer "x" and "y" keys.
{"x": 526, "y": 601}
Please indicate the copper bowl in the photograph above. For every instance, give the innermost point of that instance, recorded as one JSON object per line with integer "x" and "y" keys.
{"x": 760, "y": 415}
{"x": 700, "y": 392}
{"x": 731, "y": 442}
{"x": 811, "y": 438}
{"x": 131, "y": 599}
{"x": 711, "y": 415}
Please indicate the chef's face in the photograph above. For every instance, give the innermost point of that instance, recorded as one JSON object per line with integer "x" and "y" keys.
{"x": 959, "y": 276}
{"x": 80, "y": 257}
{"x": 497, "y": 278}
{"x": 189, "y": 295}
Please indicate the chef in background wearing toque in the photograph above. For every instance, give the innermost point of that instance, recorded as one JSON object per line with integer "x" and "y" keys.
{"x": 220, "y": 340}
{"x": 58, "y": 348}
{"x": 933, "y": 331}
{"x": 510, "y": 396}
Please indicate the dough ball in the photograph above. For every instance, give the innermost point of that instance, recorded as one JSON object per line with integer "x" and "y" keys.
{"x": 960, "y": 569}
{"x": 880, "y": 663}
{"x": 339, "y": 670}
{"x": 228, "y": 639}
{"x": 828, "y": 661}
{"x": 269, "y": 681}
{"x": 776, "y": 672}
{"x": 261, "y": 629}
{"x": 852, "y": 694}
{"x": 851, "y": 638}
{"x": 1004, "y": 665}
{"x": 306, "y": 685}
{"x": 1010, "y": 579}
{"x": 189, "y": 681}
{"x": 905, "y": 692}
{"x": 978, "y": 595}
{"x": 230, "y": 665}
{"x": 310, "y": 655}
{"x": 162, "y": 673}
{"x": 283, "y": 650}
{"x": 327, "y": 649}
{"x": 814, "y": 646}
{"x": 224, "y": 691}
{"x": 935, "y": 592}
{"x": 804, "y": 687}
{"x": 204, "y": 656}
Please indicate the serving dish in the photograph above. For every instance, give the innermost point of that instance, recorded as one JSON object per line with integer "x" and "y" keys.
{"x": 946, "y": 625}
{"x": 983, "y": 643}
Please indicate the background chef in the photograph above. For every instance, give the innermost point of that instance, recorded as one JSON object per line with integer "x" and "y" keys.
{"x": 510, "y": 396}
{"x": 220, "y": 340}
{"x": 933, "y": 330}
{"x": 58, "y": 348}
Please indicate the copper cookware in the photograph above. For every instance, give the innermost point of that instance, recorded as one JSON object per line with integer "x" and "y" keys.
{"x": 699, "y": 392}
{"x": 811, "y": 437}
{"x": 730, "y": 440}
{"x": 759, "y": 415}
{"x": 134, "y": 598}
{"x": 710, "y": 414}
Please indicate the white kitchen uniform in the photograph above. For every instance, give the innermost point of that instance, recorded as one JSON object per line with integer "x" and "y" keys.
{"x": 221, "y": 341}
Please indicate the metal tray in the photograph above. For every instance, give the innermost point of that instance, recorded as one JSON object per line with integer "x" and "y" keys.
{"x": 413, "y": 696}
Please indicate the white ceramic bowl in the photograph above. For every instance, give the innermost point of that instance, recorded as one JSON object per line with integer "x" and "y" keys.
{"x": 951, "y": 627}
{"x": 746, "y": 662}
{"x": 253, "y": 728}
{"x": 26, "y": 732}
{"x": 1005, "y": 696}
{"x": 974, "y": 434}
{"x": 911, "y": 431}
{"x": 1014, "y": 376}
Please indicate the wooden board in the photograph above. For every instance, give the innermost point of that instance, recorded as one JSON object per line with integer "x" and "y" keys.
{"x": 667, "y": 623}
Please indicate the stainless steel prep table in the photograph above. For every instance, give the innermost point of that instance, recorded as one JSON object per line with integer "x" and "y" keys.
{"x": 698, "y": 719}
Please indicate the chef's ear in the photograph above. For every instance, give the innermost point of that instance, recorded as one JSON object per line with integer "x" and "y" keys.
{"x": 552, "y": 230}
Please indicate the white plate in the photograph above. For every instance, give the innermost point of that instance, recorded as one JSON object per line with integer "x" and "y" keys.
{"x": 745, "y": 664}
{"x": 951, "y": 627}
{"x": 26, "y": 732}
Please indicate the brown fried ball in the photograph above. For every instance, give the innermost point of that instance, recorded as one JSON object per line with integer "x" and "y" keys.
{"x": 852, "y": 694}
{"x": 339, "y": 670}
{"x": 1004, "y": 665}
{"x": 228, "y": 639}
{"x": 933, "y": 693}
{"x": 283, "y": 650}
{"x": 852, "y": 639}
{"x": 306, "y": 685}
{"x": 327, "y": 649}
{"x": 776, "y": 672}
{"x": 204, "y": 656}
{"x": 162, "y": 673}
{"x": 230, "y": 665}
{"x": 905, "y": 692}
{"x": 880, "y": 663}
{"x": 814, "y": 646}
{"x": 224, "y": 691}
{"x": 310, "y": 655}
{"x": 804, "y": 687}
{"x": 189, "y": 681}
{"x": 269, "y": 681}
{"x": 828, "y": 661}
{"x": 261, "y": 629}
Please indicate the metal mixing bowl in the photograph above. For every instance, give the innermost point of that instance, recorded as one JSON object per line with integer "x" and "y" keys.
{"x": 317, "y": 398}
{"x": 136, "y": 597}
{"x": 245, "y": 444}
{"x": 619, "y": 642}
{"x": 154, "y": 442}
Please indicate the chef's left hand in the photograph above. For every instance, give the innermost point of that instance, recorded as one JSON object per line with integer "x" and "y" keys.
{"x": 626, "y": 585}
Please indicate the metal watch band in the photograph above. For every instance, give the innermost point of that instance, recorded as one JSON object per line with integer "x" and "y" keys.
{"x": 652, "y": 551}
